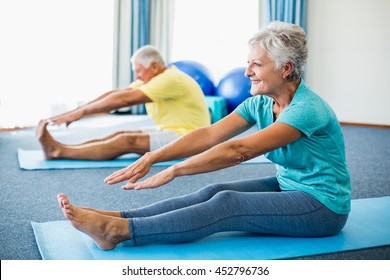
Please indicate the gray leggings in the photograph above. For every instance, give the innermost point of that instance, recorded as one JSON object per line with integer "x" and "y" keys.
{"x": 253, "y": 205}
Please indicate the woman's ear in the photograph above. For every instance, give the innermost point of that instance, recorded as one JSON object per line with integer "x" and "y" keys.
{"x": 287, "y": 69}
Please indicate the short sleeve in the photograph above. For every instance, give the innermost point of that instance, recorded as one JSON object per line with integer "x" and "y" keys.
{"x": 244, "y": 110}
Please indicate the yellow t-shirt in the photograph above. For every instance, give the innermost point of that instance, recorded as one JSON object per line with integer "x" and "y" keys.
{"x": 178, "y": 101}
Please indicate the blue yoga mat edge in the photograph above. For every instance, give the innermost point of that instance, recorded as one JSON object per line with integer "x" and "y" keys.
{"x": 364, "y": 229}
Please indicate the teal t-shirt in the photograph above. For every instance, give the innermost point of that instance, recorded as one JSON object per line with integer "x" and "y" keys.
{"x": 315, "y": 163}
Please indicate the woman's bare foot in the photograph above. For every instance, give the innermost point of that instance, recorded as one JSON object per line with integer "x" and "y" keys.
{"x": 103, "y": 212}
{"x": 106, "y": 231}
{"x": 50, "y": 147}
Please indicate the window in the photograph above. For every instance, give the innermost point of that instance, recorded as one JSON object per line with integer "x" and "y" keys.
{"x": 214, "y": 33}
{"x": 53, "y": 55}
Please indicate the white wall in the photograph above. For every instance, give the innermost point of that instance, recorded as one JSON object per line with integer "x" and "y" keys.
{"x": 349, "y": 57}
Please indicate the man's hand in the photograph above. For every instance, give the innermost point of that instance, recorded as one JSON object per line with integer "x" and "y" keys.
{"x": 67, "y": 117}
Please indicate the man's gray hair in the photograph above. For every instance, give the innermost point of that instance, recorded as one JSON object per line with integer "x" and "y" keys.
{"x": 284, "y": 42}
{"x": 146, "y": 55}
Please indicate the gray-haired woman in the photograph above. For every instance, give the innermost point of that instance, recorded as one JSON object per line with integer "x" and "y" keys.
{"x": 309, "y": 195}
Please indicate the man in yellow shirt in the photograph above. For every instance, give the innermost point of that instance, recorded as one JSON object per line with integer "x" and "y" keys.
{"x": 173, "y": 100}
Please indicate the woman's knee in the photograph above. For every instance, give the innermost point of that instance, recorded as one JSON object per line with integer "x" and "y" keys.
{"x": 211, "y": 190}
{"x": 228, "y": 199}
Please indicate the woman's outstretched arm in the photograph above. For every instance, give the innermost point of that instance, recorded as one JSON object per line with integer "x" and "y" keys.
{"x": 190, "y": 144}
{"x": 224, "y": 155}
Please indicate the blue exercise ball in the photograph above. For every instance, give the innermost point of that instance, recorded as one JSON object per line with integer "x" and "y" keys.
{"x": 234, "y": 87}
{"x": 200, "y": 74}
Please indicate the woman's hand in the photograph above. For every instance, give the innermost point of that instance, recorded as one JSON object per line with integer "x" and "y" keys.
{"x": 132, "y": 173}
{"x": 136, "y": 171}
{"x": 154, "y": 181}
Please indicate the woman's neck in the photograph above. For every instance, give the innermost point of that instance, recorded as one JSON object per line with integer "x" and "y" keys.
{"x": 284, "y": 98}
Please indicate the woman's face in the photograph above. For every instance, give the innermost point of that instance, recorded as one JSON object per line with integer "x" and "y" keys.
{"x": 266, "y": 79}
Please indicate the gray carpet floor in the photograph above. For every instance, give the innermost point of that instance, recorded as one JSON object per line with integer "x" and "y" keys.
{"x": 31, "y": 195}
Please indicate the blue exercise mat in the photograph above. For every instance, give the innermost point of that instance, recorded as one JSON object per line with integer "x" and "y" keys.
{"x": 368, "y": 226}
{"x": 34, "y": 160}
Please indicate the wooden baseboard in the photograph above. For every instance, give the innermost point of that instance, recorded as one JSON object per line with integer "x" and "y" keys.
{"x": 365, "y": 124}
{"x": 11, "y": 129}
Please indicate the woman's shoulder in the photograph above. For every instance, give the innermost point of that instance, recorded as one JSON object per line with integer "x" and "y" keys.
{"x": 308, "y": 99}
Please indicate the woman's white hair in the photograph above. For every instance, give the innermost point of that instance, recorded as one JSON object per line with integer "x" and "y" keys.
{"x": 284, "y": 42}
{"x": 147, "y": 54}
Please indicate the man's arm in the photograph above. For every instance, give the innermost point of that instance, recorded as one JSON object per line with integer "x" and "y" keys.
{"x": 117, "y": 99}
{"x": 103, "y": 104}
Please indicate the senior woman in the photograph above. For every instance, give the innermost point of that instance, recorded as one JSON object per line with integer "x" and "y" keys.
{"x": 297, "y": 130}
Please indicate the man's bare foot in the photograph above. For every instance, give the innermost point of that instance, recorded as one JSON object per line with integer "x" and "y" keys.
{"x": 50, "y": 147}
{"x": 106, "y": 231}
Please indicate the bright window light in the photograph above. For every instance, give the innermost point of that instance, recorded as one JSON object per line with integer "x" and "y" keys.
{"x": 54, "y": 54}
